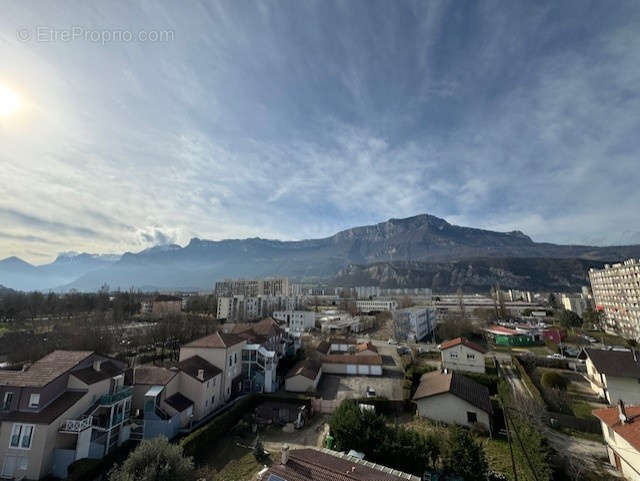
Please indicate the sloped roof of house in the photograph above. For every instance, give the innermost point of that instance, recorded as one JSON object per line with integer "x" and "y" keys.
{"x": 49, "y": 413}
{"x": 323, "y": 465}
{"x": 614, "y": 363}
{"x": 193, "y": 364}
{"x": 153, "y": 375}
{"x": 465, "y": 342}
{"x": 308, "y": 368}
{"x": 179, "y": 402}
{"x": 436, "y": 383}
{"x": 89, "y": 375}
{"x": 630, "y": 431}
{"x": 505, "y": 331}
{"x": 257, "y": 332}
{"x": 45, "y": 370}
{"x": 366, "y": 346}
{"x": 218, "y": 339}
{"x": 323, "y": 347}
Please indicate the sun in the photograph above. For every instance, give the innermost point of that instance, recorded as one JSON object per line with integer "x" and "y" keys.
{"x": 10, "y": 102}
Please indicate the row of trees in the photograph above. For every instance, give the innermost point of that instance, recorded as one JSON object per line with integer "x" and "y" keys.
{"x": 29, "y": 306}
{"x": 405, "y": 449}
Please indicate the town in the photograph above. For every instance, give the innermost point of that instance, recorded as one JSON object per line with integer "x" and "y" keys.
{"x": 267, "y": 379}
{"x": 319, "y": 240}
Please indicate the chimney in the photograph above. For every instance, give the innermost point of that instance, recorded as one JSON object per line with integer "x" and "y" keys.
{"x": 97, "y": 365}
{"x": 201, "y": 374}
{"x": 622, "y": 412}
{"x": 284, "y": 452}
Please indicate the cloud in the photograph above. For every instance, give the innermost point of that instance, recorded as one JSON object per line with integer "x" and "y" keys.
{"x": 298, "y": 119}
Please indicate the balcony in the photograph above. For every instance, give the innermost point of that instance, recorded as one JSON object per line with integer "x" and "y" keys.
{"x": 119, "y": 395}
{"x": 76, "y": 425}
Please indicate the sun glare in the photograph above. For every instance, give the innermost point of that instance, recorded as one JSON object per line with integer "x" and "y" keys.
{"x": 10, "y": 102}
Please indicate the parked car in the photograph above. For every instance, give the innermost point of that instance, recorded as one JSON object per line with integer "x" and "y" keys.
{"x": 555, "y": 356}
{"x": 371, "y": 392}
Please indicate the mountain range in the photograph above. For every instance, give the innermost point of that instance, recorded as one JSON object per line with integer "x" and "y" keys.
{"x": 422, "y": 243}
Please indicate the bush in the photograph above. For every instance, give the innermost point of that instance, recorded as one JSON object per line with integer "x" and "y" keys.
{"x": 463, "y": 456}
{"x": 155, "y": 460}
{"x": 89, "y": 469}
{"x": 554, "y": 380}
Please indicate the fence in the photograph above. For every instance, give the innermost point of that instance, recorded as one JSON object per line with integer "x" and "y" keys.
{"x": 324, "y": 406}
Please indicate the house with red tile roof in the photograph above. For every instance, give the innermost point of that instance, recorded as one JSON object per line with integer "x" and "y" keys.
{"x": 621, "y": 432}
{"x": 460, "y": 354}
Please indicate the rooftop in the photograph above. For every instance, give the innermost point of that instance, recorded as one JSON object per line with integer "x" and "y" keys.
{"x": 192, "y": 365}
{"x": 614, "y": 363}
{"x": 216, "y": 340}
{"x": 629, "y": 431}
{"x": 464, "y": 341}
{"x": 307, "y": 368}
{"x": 153, "y": 375}
{"x": 436, "y": 383}
{"x": 45, "y": 370}
{"x": 323, "y": 465}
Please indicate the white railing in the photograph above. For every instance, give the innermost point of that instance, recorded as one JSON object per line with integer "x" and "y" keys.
{"x": 76, "y": 425}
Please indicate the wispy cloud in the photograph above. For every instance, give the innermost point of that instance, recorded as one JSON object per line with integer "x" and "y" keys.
{"x": 297, "y": 119}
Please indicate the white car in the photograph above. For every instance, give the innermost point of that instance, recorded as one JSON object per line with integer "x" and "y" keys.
{"x": 555, "y": 356}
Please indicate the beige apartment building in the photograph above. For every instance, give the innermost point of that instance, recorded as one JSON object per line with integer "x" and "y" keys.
{"x": 616, "y": 292}
{"x": 67, "y": 406}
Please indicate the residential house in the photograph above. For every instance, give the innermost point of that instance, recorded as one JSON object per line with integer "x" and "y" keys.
{"x": 224, "y": 351}
{"x": 460, "y": 354}
{"x": 304, "y": 376}
{"x": 614, "y": 375}
{"x": 621, "y": 433}
{"x": 452, "y": 398}
{"x": 66, "y": 406}
{"x": 170, "y": 400}
{"x": 326, "y": 465}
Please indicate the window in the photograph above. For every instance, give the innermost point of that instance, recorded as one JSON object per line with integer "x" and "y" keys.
{"x": 8, "y": 400}
{"x": 21, "y": 435}
{"x": 453, "y": 355}
{"x": 213, "y": 400}
{"x": 206, "y": 403}
{"x": 471, "y": 356}
{"x": 235, "y": 358}
{"x": 230, "y": 360}
{"x": 472, "y": 417}
{"x": 34, "y": 400}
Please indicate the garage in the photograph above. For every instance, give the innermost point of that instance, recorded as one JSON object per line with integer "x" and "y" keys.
{"x": 352, "y": 369}
{"x": 376, "y": 370}
{"x": 363, "y": 369}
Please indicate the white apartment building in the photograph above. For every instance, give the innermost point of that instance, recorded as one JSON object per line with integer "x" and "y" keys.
{"x": 616, "y": 291}
{"x": 574, "y": 302}
{"x": 243, "y": 308}
{"x": 414, "y": 323}
{"x": 376, "y": 305}
{"x": 297, "y": 321}
{"x": 276, "y": 286}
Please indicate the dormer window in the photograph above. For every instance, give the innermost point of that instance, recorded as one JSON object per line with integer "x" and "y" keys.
{"x": 34, "y": 400}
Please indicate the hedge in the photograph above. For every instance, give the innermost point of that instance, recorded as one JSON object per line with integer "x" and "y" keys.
{"x": 201, "y": 441}
{"x": 526, "y": 379}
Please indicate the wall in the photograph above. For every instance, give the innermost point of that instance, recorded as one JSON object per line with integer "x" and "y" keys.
{"x": 625, "y": 388}
{"x": 450, "y": 409}
{"x": 462, "y": 362}
{"x": 629, "y": 456}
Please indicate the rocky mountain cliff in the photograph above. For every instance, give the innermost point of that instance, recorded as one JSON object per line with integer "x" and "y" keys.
{"x": 423, "y": 238}
{"x": 473, "y": 275}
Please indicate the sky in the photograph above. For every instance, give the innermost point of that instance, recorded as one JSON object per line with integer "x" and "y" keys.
{"x": 130, "y": 124}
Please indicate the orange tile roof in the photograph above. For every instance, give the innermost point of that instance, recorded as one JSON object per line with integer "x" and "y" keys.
{"x": 629, "y": 431}
{"x": 465, "y": 342}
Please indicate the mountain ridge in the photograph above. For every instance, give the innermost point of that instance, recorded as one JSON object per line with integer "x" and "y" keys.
{"x": 421, "y": 238}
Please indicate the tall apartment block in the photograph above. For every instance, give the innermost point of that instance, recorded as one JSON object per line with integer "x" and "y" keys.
{"x": 277, "y": 286}
{"x": 616, "y": 292}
